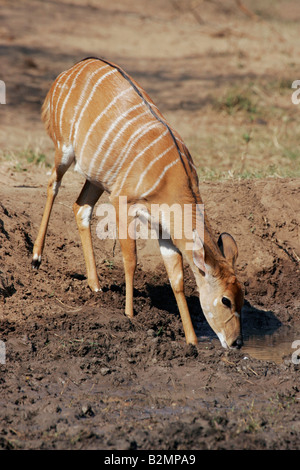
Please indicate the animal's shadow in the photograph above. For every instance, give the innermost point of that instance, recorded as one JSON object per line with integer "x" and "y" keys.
{"x": 255, "y": 322}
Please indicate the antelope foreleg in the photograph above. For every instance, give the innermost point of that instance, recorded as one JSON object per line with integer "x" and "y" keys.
{"x": 174, "y": 266}
{"x": 83, "y": 209}
{"x": 52, "y": 190}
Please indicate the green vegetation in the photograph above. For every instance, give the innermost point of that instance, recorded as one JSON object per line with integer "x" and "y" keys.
{"x": 253, "y": 132}
{"x": 23, "y": 159}
{"x": 237, "y": 100}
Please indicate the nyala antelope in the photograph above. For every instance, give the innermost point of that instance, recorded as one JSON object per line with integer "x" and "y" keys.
{"x": 100, "y": 118}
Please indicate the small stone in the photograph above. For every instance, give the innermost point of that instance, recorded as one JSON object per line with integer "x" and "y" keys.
{"x": 150, "y": 332}
{"x": 104, "y": 370}
{"x": 87, "y": 410}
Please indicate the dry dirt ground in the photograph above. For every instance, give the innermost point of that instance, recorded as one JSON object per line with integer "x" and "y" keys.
{"x": 77, "y": 373}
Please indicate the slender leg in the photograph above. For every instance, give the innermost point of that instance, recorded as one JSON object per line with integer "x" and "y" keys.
{"x": 52, "y": 190}
{"x": 83, "y": 209}
{"x": 128, "y": 247}
{"x": 173, "y": 263}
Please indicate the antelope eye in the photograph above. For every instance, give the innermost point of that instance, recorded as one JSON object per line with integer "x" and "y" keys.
{"x": 226, "y": 302}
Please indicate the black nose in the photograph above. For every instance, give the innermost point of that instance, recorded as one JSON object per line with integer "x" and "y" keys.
{"x": 238, "y": 343}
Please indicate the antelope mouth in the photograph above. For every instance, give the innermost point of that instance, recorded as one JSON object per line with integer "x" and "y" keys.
{"x": 236, "y": 344}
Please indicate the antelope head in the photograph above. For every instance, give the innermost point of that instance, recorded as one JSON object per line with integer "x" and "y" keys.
{"x": 220, "y": 293}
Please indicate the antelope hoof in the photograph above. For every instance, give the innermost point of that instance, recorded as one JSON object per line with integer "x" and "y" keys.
{"x": 129, "y": 315}
{"x": 98, "y": 289}
{"x": 193, "y": 341}
{"x": 95, "y": 287}
{"x": 36, "y": 261}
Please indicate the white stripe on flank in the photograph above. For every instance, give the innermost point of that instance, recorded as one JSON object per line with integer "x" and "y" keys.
{"x": 183, "y": 153}
{"x": 81, "y": 97}
{"x": 110, "y": 105}
{"x": 151, "y": 164}
{"x": 149, "y": 101}
{"x": 69, "y": 74}
{"x": 77, "y": 125}
{"x": 134, "y": 138}
{"x": 128, "y": 123}
{"x": 189, "y": 160}
{"x": 59, "y": 78}
{"x": 139, "y": 155}
{"x": 70, "y": 91}
{"x": 160, "y": 177}
{"x": 118, "y": 135}
{"x": 179, "y": 140}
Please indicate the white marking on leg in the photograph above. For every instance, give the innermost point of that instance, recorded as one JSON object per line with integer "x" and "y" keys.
{"x": 178, "y": 279}
{"x": 37, "y": 257}
{"x": 85, "y": 213}
{"x": 167, "y": 248}
{"x": 55, "y": 187}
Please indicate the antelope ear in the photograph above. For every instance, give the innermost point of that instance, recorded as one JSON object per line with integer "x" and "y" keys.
{"x": 228, "y": 247}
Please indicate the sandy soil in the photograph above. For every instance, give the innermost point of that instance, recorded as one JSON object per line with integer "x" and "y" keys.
{"x": 78, "y": 374}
